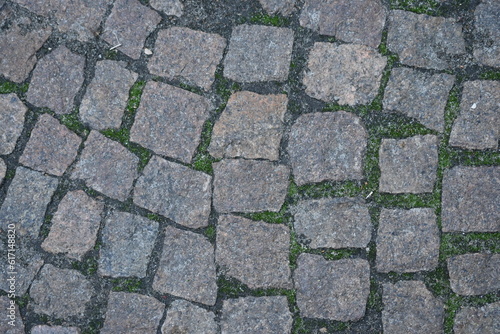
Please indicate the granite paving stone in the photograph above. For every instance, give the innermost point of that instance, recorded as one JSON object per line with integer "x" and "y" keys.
{"x": 12, "y": 113}
{"x": 410, "y": 308}
{"x": 56, "y": 80}
{"x": 333, "y": 222}
{"x": 408, "y": 165}
{"x": 74, "y": 226}
{"x": 169, "y": 121}
{"x": 346, "y": 73}
{"x": 254, "y": 252}
{"x": 478, "y": 320}
{"x": 474, "y": 274}
{"x": 12, "y": 322}
{"x": 106, "y": 97}
{"x": 52, "y": 147}
{"x": 328, "y": 146}
{"x": 44, "y": 329}
{"x": 106, "y": 166}
{"x": 3, "y": 170}
{"x": 169, "y": 7}
{"x": 175, "y": 191}
{"x": 251, "y": 126}
{"x": 189, "y": 55}
{"x": 334, "y": 290}
{"x": 248, "y": 315}
{"x": 185, "y": 317}
{"x": 249, "y": 185}
{"x": 422, "y": 96}
{"x": 258, "y": 53}
{"x": 187, "y": 267}
{"x": 27, "y": 264}
{"x": 282, "y": 7}
{"x": 487, "y": 30}
{"x": 470, "y": 199}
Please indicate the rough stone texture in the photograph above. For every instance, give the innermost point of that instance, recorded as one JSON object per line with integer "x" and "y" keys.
{"x": 327, "y": 146}
{"x": 106, "y": 97}
{"x": 187, "y": 267}
{"x": 132, "y": 313}
{"x": 106, "y": 166}
{"x": 127, "y": 243}
{"x": 470, "y": 199}
{"x": 26, "y": 201}
{"x": 258, "y": 53}
{"x": 353, "y": 21}
{"x": 263, "y": 315}
{"x": 255, "y": 253}
{"x": 250, "y": 126}
{"x": 346, "y": 74}
{"x": 56, "y": 79}
{"x": 119, "y": 30}
{"x": 334, "y": 290}
{"x": 43, "y": 329}
{"x": 478, "y": 320}
{"x": 487, "y": 25}
{"x": 74, "y": 225}
{"x": 3, "y": 170}
{"x": 51, "y": 147}
{"x": 283, "y": 7}
{"x": 410, "y": 308}
{"x": 478, "y": 125}
{"x": 12, "y": 112}
{"x": 175, "y": 191}
{"x": 169, "y": 7}
{"x": 333, "y": 222}
{"x": 169, "y": 121}
{"x": 474, "y": 274}
{"x": 60, "y": 292}
{"x": 185, "y": 317}
{"x": 419, "y": 95}
{"x": 249, "y": 185}
{"x": 28, "y": 263}
{"x": 5, "y": 327}
{"x": 407, "y": 240}
{"x": 408, "y": 165}
{"x": 424, "y": 41}
{"x": 189, "y": 55}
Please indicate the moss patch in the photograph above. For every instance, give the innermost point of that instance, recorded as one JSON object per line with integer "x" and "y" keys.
{"x": 127, "y": 284}
{"x": 490, "y": 75}
{"x": 7, "y": 87}
{"x": 429, "y": 7}
{"x": 72, "y": 122}
{"x": 202, "y": 160}
{"x": 275, "y": 21}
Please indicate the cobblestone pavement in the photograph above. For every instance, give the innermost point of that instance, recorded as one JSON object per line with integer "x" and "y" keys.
{"x": 260, "y": 166}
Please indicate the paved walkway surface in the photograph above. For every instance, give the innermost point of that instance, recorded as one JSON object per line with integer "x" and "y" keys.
{"x": 270, "y": 166}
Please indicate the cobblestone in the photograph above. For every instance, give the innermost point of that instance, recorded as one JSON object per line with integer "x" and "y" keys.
{"x": 185, "y": 317}
{"x": 487, "y": 29}
{"x": 283, "y": 7}
{"x": 474, "y": 274}
{"x": 169, "y": 7}
{"x": 478, "y": 320}
{"x": 3, "y": 170}
{"x": 5, "y": 326}
{"x": 28, "y": 263}
{"x": 43, "y": 329}
{"x": 12, "y": 115}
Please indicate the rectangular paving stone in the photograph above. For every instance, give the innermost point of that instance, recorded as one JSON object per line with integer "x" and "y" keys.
{"x": 478, "y": 320}
{"x": 12, "y": 112}
{"x": 474, "y": 274}
{"x": 11, "y": 314}
{"x": 169, "y": 7}
{"x": 185, "y": 317}
{"x": 487, "y": 33}
{"x": 282, "y": 7}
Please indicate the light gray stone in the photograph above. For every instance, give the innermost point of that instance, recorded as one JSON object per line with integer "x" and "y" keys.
{"x": 283, "y": 7}
{"x": 169, "y": 7}
{"x": 185, "y": 317}
{"x": 43, "y": 329}
{"x": 3, "y": 170}
{"x": 474, "y": 274}
{"x": 478, "y": 320}
{"x": 11, "y": 323}
{"x": 27, "y": 264}
{"x": 487, "y": 31}
{"x": 12, "y": 112}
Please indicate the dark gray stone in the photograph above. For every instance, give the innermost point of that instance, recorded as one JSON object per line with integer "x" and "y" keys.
{"x": 169, "y": 7}
{"x": 11, "y": 316}
{"x": 43, "y": 329}
{"x": 487, "y": 30}
{"x": 175, "y": 191}
{"x": 3, "y": 170}
{"x": 12, "y": 112}
{"x": 474, "y": 274}
{"x": 283, "y": 7}
{"x": 478, "y": 320}
{"x": 327, "y": 146}
{"x": 470, "y": 199}
{"x": 185, "y": 317}
{"x": 187, "y": 267}
{"x": 334, "y": 290}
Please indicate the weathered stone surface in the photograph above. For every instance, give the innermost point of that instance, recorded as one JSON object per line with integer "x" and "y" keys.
{"x": 487, "y": 25}
{"x": 5, "y": 327}
{"x": 407, "y": 240}
{"x": 169, "y": 7}
{"x": 127, "y": 242}
{"x": 478, "y": 320}
{"x": 327, "y": 146}
{"x": 474, "y": 274}
{"x": 424, "y": 41}
{"x": 51, "y": 147}
{"x": 283, "y": 7}
{"x": 3, "y": 170}
{"x": 106, "y": 97}
{"x": 250, "y": 126}
{"x": 74, "y": 225}
{"x": 333, "y": 222}
{"x": 169, "y": 121}
{"x": 26, "y": 201}
{"x": 185, "y": 317}
{"x": 470, "y": 199}
{"x": 56, "y": 79}
{"x": 106, "y": 166}
{"x": 119, "y": 30}
{"x": 187, "y": 267}
{"x": 256, "y": 253}
{"x": 44, "y": 329}
{"x": 419, "y": 95}
{"x": 335, "y": 290}
{"x": 258, "y": 53}
{"x": 410, "y": 308}
{"x": 249, "y": 185}
{"x": 175, "y": 191}
{"x": 408, "y": 165}
{"x": 478, "y": 125}
{"x": 132, "y": 313}
{"x": 12, "y": 112}
{"x": 353, "y": 21}
{"x": 189, "y": 55}
{"x": 248, "y": 315}
{"x": 346, "y": 74}
{"x": 60, "y": 292}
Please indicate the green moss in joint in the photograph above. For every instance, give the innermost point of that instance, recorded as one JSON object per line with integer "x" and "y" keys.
{"x": 331, "y": 189}
{"x": 490, "y": 75}
{"x": 230, "y": 287}
{"x": 119, "y": 135}
{"x": 458, "y": 243}
{"x": 276, "y": 20}
{"x": 135, "y": 94}
{"x": 190, "y": 88}
{"x": 127, "y": 284}
{"x": 153, "y": 216}
{"x": 72, "y": 122}
{"x": 210, "y": 233}
{"x": 202, "y": 160}
{"x": 429, "y": 7}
